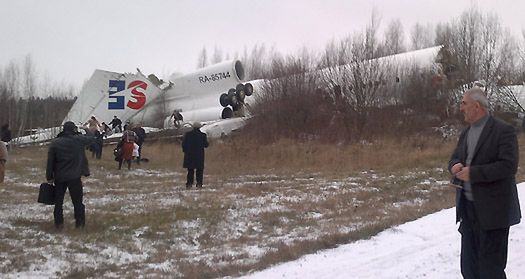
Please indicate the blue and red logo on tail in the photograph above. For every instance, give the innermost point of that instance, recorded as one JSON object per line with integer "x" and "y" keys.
{"x": 117, "y": 101}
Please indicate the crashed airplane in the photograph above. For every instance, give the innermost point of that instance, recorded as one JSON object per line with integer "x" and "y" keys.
{"x": 216, "y": 95}
{"x": 208, "y": 94}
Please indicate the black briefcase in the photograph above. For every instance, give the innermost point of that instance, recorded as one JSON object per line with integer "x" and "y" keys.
{"x": 46, "y": 195}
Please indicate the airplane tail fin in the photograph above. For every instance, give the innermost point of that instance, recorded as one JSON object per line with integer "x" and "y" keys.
{"x": 107, "y": 94}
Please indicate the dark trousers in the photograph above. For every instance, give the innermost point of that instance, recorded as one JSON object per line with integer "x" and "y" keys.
{"x": 483, "y": 252}
{"x": 98, "y": 151}
{"x": 189, "y": 177}
{"x": 127, "y": 162}
{"x": 76, "y": 193}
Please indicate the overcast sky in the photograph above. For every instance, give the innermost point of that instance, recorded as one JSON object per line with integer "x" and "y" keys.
{"x": 69, "y": 39}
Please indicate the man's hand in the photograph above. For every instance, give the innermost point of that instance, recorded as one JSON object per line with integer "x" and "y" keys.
{"x": 456, "y": 168}
{"x": 464, "y": 174}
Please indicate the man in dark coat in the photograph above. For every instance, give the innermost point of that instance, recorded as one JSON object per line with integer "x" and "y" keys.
{"x": 66, "y": 163}
{"x": 193, "y": 145}
{"x": 3, "y": 160}
{"x": 5, "y": 134}
{"x": 484, "y": 164}
{"x": 98, "y": 145}
{"x": 116, "y": 123}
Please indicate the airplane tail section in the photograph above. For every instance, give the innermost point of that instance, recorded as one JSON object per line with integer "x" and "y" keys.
{"x": 107, "y": 94}
{"x": 211, "y": 93}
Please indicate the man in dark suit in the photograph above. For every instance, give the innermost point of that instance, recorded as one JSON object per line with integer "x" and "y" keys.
{"x": 66, "y": 163}
{"x": 193, "y": 146}
{"x": 484, "y": 164}
{"x": 116, "y": 123}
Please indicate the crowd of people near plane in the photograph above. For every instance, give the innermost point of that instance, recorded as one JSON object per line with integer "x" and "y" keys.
{"x": 129, "y": 147}
{"x": 67, "y": 162}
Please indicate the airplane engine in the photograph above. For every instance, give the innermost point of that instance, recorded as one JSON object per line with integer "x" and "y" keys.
{"x": 195, "y": 92}
{"x": 210, "y": 93}
{"x": 223, "y": 100}
{"x": 239, "y": 91}
{"x": 236, "y": 96}
{"x": 248, "y": 89}
{"x": 226, "y": 113}
{"x": 209, "y": 80}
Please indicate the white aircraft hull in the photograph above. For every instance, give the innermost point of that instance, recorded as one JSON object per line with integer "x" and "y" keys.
{"x": 137, "y": 99}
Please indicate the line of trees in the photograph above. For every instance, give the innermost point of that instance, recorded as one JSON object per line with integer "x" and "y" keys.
{"x": 27, "y": 102}
{"x": 362, "y": 100}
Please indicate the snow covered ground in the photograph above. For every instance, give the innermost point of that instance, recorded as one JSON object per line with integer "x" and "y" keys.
{"x": 424, "y": 248}
{"x": 144, "y": 224}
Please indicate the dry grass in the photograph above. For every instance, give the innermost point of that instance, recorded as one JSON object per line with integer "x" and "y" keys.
{"x": 236, "y": 157}
{"x": 281, "y": 200}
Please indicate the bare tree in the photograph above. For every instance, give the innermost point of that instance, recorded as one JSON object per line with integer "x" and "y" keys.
{"x": 468, "y": 43}
{"x": 491, "y": 35}
{"x": 443, "y": 34}
{"x": 484, "y": 53}
{"x": 421, "y": 36}
{"x": 29, "y": 82}
{"x": 354, "y": 88}
{"x": 371, "y": 43}
{"x": 11, "y": 79}
{"x": 202, "y": 59}
{"x": 394, "y": 41}
{"x": 335, "y": 53}
{"x": 4, "y": 96}
{"x": 521, "y": 68}
{"x": 289, "y": 105}
{"x": 257, "y": 62}
{"x": 217, "y": 56}
{"x": 20, "y": 105}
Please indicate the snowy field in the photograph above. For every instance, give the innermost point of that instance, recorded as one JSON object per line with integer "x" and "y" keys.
{"x": 144, "y": 224}
{"x": 425, "y": 248}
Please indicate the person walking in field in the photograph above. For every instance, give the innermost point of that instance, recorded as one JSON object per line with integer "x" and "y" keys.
{"x": 484, "y": 165}
{"x": 3, "y": 160}
{"x": 66, "y": 163}
{"x": 5, "y": 134}
{"x": 193, "y": 145}
{"x": 127, "y": 144}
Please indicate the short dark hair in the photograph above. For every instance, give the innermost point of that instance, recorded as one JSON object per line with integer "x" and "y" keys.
{"x": 69, "y": 126}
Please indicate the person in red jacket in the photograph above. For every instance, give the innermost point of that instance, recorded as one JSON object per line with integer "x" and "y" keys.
{"x": 127, "y": 143}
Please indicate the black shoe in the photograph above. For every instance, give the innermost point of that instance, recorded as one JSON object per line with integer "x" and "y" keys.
{"x": 199, "y": 185}
{"x": 59, "y": 227}
{"x": 188, "y": 186}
